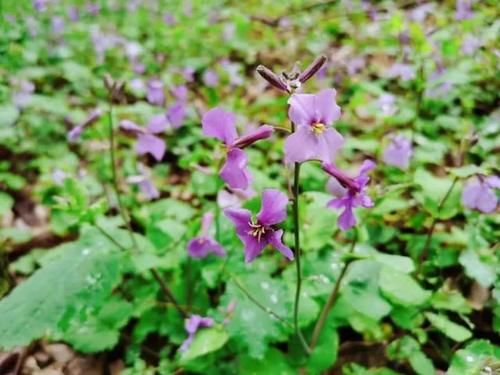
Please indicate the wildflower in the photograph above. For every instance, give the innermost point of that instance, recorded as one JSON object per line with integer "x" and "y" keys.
{"x": 221, "y": 125}
{"x": 480, "y": 194}
{"x": 75, "y": 133}
{"x": 22, "y": 97}
{"x": 405, "y": 72}
{"x": 257, "y": 233}
{"x": 470, "y": 45}
{"x": 233, "y": 197}
{"x": 40, "y": 5}
{"x": 169, "y": 19}
{"x": 210, "y": 78}
{"x": 155, "y": 94}
{"x": 233, "y": 71}
{"x": 57, "y": 24}
{"x": 387, "y": 103}
{"x": 188, "y": 74}
{"x": 58, "y": 176}
{"x": 463, "y": 10}
{"x": 398, "y": 152}
{"x": 349, "y": 192}
{"x": 192, "y": 325}
{"x": 313, "y": 139}
{"x": 200, "y": 246}
{"x": 180, "y": 92}
{"x": 143, "y": 180}
{"x": 147, "y": 141}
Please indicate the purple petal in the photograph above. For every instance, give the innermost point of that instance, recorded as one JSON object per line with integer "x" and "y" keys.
{"x": 262, "y": 132}
{"x": 335, "y": 188}
{"x": 493, "y": 182}
{"x": 75, "y": 133}
{"x": 131, "y": 127}
{"x": 235, "y": 172}
{"x": 487, "y": 201}
{"x": 276, "y": 242}
{"x": 253, "y": 247}
{"x": 200, "y": 247}
{"x": 206, "y": 222}
{"x": 273, "y": 209}
{"x": 307, "y": 109}
{"x": 305, "y": 144}
{"x": 366, "y": 167}
{"x": 301, "y": 110}
{"x": 148, "y": 143}
{"x": 346, "y": 219}
{"x": 470, "y": 194}
{"x": 240, "y": 218}
{"x": 148, "y": 189}
{"x": 176, "y": 114}
{"x": 158, "y": 124}
{"x": 220, "y": 124}
{"x": 326, "y": 109}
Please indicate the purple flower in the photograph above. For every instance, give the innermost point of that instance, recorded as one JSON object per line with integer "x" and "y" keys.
{"x": 169, "y": 19}
{"x": 354, "y": 65}
{"x": 470, "y": 44}
{"x": 350, "y": 192}
{"x": 192, "y": 325}
{"x": 202, "y": 245}
{"x": 398, "y": 152}
{"x": 480, "y": 194}
{"x": 419, "y": 13}
{"x": 210, "y": 78}
{"x": 234, "y": 198}
{"x": 232, "y": 70}
{"x": 40, "y": 5}
{"x": 387, "y": 103}
{"x": 155, "y": 94}
{"x": 180, "y": 92}
{"x": 146, "y": 186}
{"x": 75, "y": 133}
{"x": 188, "y": 74}
{"x": 463, "y": 10}
{"x": 221, "y": 125}
{"x": 57, "y": 24}
{"x": 404, "y": 71}
{"x": 93, "y": 8}
{"x": 73, "y": 13}
{"x": 22, "y": 97}
{"x": 58, "y": 176}
{"x": 257, "y": 233}
{"x": 313, "y": 139}
{"x": 147, "y": 141}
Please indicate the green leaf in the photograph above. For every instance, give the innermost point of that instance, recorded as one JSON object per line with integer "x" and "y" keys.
{"x": 474, "y": 357}
{"x": 483, "y": 273}
{"x": 86, "y": 270}
{"x": 274, "y": 362}
{"x": 401, "y": 288}
{"x": 452, "y": 330}
{"x": 397, "y": 262}
{"x": 421, "y": 364}
{"x": 324, "y": 354}
{"x": 467, "y": 171}
{"x": 6, "y": 202}
{"x": 206, "y": 341}
{"x": 8, "y": 115}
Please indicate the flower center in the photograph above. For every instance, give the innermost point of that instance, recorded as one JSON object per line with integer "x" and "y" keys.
{"x": 318, "y": 128}
{"x": 258, "y": 230}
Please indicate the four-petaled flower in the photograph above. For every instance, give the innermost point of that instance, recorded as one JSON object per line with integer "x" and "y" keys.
{"x": 202, "y": 245}
{"x": 147, "y": 141}
{"x": 350, "y": 192}
{"x": 257, "y": 233}
{"x": 146, "y": 185}
{"x": 313, "y": 139}
{"x": 221, "y": 125}
{"x": 398, "y": 152}
{"x": 480, "y": 194}
{"x": 192, "y": 325}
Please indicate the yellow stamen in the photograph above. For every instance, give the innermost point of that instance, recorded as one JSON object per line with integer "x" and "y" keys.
{"x": 318, "y": 128}
{"x": 257, "y": 230}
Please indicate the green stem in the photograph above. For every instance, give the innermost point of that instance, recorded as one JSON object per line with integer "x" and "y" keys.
{"x": 296, "y": 230}
{"x": 331, "y": 300}
{"x": 126, "y": 217}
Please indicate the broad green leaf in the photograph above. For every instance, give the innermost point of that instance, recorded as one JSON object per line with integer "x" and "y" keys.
{"x": 475, "y": 357}
{"x": 397, "y": 262}
{"x": 467, "y": 171}
{"x": 8, "y": 115}
{"x": 274, "y": 362}
{"x": 483, "y": 273}
{"x": 325, "y": 353}
{"x": 206, "y": 341}
{"x": 401, "y": 288}
{"x": 87, "y": 269}
{"x": 452, "y": 330}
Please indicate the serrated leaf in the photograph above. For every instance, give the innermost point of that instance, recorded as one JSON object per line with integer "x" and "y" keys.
{"x": 87, "y": 269}
{"x": 452, "y": 330}
{"x": 206, "y": 341}
{"x": 401, "y": 288}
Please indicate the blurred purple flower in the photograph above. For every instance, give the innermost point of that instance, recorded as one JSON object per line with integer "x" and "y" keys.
{"x": 222, "y": 125}
{"x": 210, "y": 78}
{"x": 350, "y": 192}
{"x": 192, "y": 325}
{"x": 202, "y": 245}
{"x": 22, "y": 97}
{"x": 147, "y": 141}
{"x": 387, "y": 103}
{"x": 146, "y": 185}
{"x": 233, "y": 71}
{"x": 57, "y": 24}
{"x": 470, "y": 44}
{"x": 313, "y": 139}
{"x": 463, "y": 10}
{"x": 58, "y": 176}
{"x": 40, "y": 5}
{"x": 93, "y": 8}
{"x": 169, "y": 19}
{"x": 480, "y": 194}
{"x": 155, "y": 94}
{"x": 137, "y": 84}
{"x": 73, "y": 13}
{"x": 188, "y": 74}
{"x": 419, "y": 13}
{"x": 180, "y": 92}
{"x": 405, "y": 72}
{"x": 398, "y": 152}
{"x": 257, "y": 233}
{"x": 234, "y": 198}
{"x": 75, "y": 133}
{"x": 354, "y": 65}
